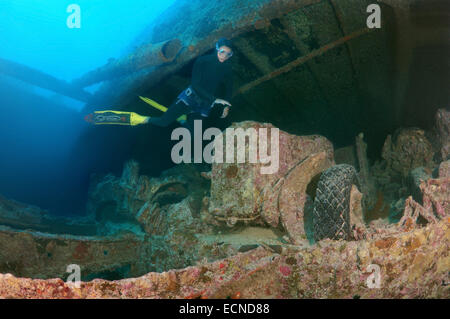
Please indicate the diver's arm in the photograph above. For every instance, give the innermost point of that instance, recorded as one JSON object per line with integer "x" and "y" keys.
{"x": 228, "y": 94}
{"x": 225, "y": 112}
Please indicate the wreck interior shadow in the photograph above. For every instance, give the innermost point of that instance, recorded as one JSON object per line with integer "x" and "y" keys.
{"x": 428, "y": 86}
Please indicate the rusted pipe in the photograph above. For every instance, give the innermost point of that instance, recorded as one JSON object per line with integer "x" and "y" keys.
{"x": 145, "y": 56}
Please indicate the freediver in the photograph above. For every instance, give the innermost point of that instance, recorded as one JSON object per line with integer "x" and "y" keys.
{"x": 209, "y": 72}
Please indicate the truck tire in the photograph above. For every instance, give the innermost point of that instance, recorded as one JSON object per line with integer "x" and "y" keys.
{"x": 331, "y": 214}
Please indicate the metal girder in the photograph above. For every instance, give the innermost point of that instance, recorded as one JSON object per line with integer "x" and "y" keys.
{"x": 301, "y": 60}
{"x": 260, "y": 61}
{"x": 146, "y": 56}
{"x": 42, "y": 80}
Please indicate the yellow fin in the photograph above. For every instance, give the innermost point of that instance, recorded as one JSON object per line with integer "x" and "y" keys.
{"x": 112, "y": 117}
{"x": 162, "y": 108}
{"x": 153, "y": 103}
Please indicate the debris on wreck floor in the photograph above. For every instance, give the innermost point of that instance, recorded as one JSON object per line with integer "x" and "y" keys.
{"x": 247, "y": 238}
{"x": 234, "y": 232}
{"x": 138, "y": 225}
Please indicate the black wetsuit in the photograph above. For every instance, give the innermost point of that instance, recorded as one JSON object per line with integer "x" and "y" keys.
{"x": 207, "y": 75}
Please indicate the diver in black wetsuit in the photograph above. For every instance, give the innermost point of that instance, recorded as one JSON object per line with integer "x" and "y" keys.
{"x": 208, "y": 73}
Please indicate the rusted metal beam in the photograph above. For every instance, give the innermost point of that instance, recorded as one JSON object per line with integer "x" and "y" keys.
{"x": 145, "y": 56}
{"x": 42, "y": 80}
{"x": 288, "y": 67}
{"x": 261, "y": 62}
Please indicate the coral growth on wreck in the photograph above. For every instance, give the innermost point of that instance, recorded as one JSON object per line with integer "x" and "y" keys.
{"x": 233, "y": 232}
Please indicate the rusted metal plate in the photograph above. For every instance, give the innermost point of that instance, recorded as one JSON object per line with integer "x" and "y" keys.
{"x": 40, "y": 255}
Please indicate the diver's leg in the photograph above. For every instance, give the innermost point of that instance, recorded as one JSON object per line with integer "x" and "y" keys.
{"x": 177, "y": 109}
{"x": 189, "y": 124}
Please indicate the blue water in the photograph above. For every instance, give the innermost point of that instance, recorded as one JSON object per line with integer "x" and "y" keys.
{"x": 38, "y": 128}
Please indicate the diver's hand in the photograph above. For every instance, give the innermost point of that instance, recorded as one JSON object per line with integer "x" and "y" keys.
{"x": 222, "y": 102}
{"x": 225, "y": 112}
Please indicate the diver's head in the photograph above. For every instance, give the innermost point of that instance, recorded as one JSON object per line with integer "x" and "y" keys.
{"x": 224, "y": 50}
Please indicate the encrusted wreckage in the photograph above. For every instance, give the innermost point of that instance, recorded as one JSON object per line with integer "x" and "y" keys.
{"x": 412, "y": 265}
{"x": 241, "y": 192}
{"x": 147, "y": 226}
